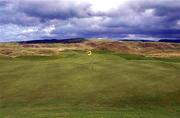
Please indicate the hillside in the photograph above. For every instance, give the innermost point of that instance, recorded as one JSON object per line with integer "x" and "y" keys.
{"x": 150, "y": 49}
{"x": 72, "y": 40}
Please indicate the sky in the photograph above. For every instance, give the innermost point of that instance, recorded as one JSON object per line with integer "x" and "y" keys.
{"x": 115, "y": 19}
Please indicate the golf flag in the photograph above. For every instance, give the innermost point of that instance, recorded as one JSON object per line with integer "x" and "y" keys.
{"x": 89, "y": 53}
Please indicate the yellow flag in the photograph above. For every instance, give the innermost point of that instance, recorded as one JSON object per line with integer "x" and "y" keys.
{"x": 89, "y": 53}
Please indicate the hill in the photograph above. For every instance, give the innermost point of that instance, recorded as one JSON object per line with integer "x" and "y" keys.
{"x": 170, "y": 41}
{"x": 72, "y": 40}
{"x": 150, "y": 49}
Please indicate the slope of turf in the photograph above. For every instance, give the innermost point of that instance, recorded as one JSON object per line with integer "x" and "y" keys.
{"x": 103, "y": 85}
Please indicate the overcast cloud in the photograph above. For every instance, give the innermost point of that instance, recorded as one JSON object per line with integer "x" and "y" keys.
{"x": 135, "y": 19}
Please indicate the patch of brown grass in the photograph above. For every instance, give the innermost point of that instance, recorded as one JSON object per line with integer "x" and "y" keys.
{"x": 143, "y": 48}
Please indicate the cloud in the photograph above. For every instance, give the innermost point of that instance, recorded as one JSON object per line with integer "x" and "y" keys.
{"x": 37, "y": 19}
{"x": 56, "y": 9}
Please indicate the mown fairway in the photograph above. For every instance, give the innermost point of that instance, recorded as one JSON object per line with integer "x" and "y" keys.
{"x": 104, "y": 85}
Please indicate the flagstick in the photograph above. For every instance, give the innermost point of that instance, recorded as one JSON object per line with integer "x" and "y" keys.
{"x": 89, "y": 53}
{"x": 91, "y": 62}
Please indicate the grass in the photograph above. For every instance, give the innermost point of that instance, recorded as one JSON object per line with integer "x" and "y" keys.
{"x": 104, "y": 85}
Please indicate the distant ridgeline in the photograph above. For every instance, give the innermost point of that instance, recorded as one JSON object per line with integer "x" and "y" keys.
{"x": 72, "y": 40}
{"x": 161, "y": 40}
{"x": 79, "y": 40}
{"x": 170, "y": 41}
{"x": 137, "y": 40}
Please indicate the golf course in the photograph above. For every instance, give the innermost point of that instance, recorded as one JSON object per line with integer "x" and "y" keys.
{"x": 105, "y": 84}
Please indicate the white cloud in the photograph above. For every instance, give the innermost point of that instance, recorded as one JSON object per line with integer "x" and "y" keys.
{"x": 149, "y": 12}
{"x": 178, "y": 23}
{"x": 30, "y": 30}
{"x": 48, "y": 29}
{"x": 106, "y": 5}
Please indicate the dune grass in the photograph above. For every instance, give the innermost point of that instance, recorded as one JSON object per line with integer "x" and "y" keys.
{"x": 104, "y": 85}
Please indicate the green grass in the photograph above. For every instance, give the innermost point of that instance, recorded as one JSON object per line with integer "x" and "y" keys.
{"x": 104, "y": 85}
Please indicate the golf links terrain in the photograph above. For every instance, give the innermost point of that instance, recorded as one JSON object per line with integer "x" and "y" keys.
{"x": 72, "y": 84}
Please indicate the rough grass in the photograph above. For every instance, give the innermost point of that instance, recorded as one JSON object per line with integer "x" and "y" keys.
{"x": 149, "y": 49}
{"x": 104, "y": 85}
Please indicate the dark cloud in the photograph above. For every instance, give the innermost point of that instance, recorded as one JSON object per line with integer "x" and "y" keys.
{"x": 29, "y": 19}
{"x": 153, "y": 19}
{"x": 56, "y": 9}
{"x": 3, "y": 3}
